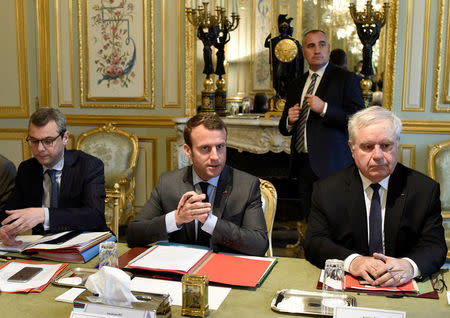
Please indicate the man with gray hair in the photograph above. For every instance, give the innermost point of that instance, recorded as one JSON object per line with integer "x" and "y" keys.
{"x": 57, "y": 190}
{"x": 378, "y": 216}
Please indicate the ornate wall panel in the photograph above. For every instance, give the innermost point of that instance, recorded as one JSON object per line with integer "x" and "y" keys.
{"x": 261, "y": 27}
{"x": 13, "y": 60}
{"x": 171, "y": 144}
{"x": 416, "y": 55}
{"x": 14, "y": 146}
{"x": 441, "y": 88}
{"x": 64, "y": 53}
{"x": 407, "y": 155}
{"x": 132, "y": 22}
{"x": 146, "y": 170}
{"x": 171, "y": 41}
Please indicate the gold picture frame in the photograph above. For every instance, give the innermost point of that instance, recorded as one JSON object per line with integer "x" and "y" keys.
{"x": 113, "y": 51}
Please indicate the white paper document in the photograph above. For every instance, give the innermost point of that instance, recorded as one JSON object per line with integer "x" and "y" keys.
{"x": 40, "y": 279}
{"x": 170, "y": 258}
{"x": 216, "y": 295}
{"x": 77, "y": 240}
{"x": 70, "y": 295}
{"x": 29, "y": 240}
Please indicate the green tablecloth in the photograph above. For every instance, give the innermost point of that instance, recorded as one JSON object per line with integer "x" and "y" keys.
{"x": 291, "y": 273}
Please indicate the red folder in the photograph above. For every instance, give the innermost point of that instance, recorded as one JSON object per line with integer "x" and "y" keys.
{"x": 220, "y": 268}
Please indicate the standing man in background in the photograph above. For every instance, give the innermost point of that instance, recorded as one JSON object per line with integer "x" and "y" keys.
{"x": 317, "y": 109}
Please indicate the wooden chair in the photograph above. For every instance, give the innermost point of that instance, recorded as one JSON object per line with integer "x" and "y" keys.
{"x": 269, "y": 203}
{"x": 438, "y": 168}
{"x": 118, "y": 149}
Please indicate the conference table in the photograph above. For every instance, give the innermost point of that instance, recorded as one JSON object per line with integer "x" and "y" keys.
{"x": 288, "y": 273}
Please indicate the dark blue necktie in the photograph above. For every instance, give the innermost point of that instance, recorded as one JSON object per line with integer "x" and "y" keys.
{"x": 203, "y": 238}
{"x": 375, "y": 238}
{"x": 54, "y": 190}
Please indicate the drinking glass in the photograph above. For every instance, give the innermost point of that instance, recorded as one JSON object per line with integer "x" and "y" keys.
{"x": 108, "y": 255}
{"x": 333, "y": 284}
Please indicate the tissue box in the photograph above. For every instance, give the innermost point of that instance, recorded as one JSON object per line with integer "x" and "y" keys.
{"x": 153, "y": 306}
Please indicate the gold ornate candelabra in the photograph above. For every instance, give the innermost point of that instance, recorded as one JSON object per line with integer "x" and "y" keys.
{"x": 368, "y": 25}
{"x": 218, "y": 27}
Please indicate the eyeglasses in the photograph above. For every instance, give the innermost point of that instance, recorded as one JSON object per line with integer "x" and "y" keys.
{"x": 46, "y": 142}
{"x": 439, "y": 283}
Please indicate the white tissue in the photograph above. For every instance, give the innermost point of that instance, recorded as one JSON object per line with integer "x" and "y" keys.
{"x": 112, "y": 286}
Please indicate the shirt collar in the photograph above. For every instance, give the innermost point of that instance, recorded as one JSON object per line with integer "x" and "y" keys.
{"x": 366, "y": 182}
{"x": 196, "y": 179}
{"x": 59, "y": 166}
{"x": 319, "y": 72}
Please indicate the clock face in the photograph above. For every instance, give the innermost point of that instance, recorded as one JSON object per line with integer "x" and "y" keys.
{"x": 286, "y": 50}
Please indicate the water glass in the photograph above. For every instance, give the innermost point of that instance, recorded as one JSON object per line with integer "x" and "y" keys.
{"x": 333, "y": 284}
{"x": 108, "y": 255}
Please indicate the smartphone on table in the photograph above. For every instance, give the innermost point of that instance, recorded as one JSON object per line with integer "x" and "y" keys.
{"x": 25, "y": 274}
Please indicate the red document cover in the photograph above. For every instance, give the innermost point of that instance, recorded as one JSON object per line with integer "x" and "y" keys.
{"x": 234, "y": 270}
{"x": 40, "y": 288}
{"x": 352, "y": 283}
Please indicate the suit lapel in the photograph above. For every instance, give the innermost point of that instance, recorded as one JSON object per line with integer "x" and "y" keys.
{"x": 67, "y": 175}
{"x": 223, "y": 191}
{"x": 321, "y": 89}
{"x": 357, "y": 209}
{"x": 188, "y": 184}
{"x": 395, "y": 203}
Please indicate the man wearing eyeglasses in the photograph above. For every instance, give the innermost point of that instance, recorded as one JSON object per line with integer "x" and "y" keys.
{"x": 57, "y": 190}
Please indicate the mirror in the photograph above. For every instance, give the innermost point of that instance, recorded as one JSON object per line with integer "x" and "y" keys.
{"x": 247, "y": 60}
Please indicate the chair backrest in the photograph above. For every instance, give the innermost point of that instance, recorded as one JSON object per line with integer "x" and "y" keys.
{"x": 438, "y": 168}
{"x": 117, "y": 148}
{"x": 269, "y": 203}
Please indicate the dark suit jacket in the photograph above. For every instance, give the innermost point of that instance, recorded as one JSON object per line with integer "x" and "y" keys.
{"x": 412, "y": 227}
{"x": 81, "y": 201}
{"x": 240, "y": 226}
{"x": 7, "y": 176}
{"x": 327, "y": 136}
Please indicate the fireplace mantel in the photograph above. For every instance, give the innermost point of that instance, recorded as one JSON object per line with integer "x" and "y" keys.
{"x": 251, "y": 134}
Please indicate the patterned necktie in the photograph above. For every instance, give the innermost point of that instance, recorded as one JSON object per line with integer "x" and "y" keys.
{"x": 203, "y": 238}
{"x": 301, "y": 123}
{"x": 54, "y": 190}
{"x": 375, "y": 239}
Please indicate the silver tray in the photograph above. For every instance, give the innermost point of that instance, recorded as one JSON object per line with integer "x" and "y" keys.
{"x": 79, "y": 273}
{"x": 305, "y": 302}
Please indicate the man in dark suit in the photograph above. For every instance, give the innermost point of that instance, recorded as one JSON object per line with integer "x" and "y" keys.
{"x": 377, "y": 215}
{"x": 230, "y": 220}
{"x": 316, "y": 113}
{"x": 57, "y": 190}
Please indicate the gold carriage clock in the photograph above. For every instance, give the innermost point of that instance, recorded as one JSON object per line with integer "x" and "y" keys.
{"x": 195, "y": 295}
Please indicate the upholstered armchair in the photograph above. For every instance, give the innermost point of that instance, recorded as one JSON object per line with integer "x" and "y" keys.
{"x": 438, "y": 168}
{"x": 269, "y": 205}
{"x": 118, "y": 149}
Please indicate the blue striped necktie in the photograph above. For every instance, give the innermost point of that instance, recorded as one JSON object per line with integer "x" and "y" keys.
{"x": 301, "y": 123}
{"x": 54, "y": 189}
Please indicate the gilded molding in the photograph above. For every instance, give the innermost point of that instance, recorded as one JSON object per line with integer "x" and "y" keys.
{"x": 43, "y": 26}
{"x": 391, "y": 52}
{"x": 58, "y": 48}
{"x": 21, "y": 110}
{"x": 171, "y": 142}
{"x": 154, "y": 162}
{"x": 438, "y": 66}
{"x": 407, "y": 58}
{"x": 83, "y": 58}
{"x": 137, "y": 121}
{"x": 17, "y": 134}
{"x": 190, "y": 68}
{"x": 164, "y": 62}
{"x": 426, "y": 127}
{"x": 412, "y": 154}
